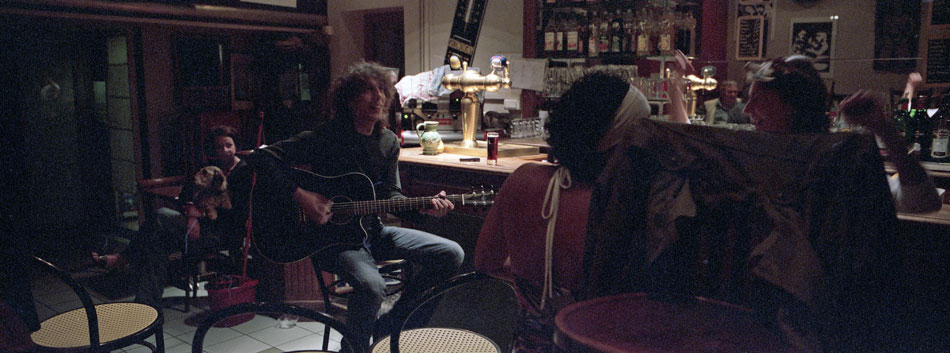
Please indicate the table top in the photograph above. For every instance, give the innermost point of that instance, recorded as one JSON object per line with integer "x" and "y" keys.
{"x": 505, "y": 166}
{"x": 635, "y": 323}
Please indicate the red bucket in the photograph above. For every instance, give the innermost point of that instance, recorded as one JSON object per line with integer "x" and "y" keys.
{"x": 225, "y": 291}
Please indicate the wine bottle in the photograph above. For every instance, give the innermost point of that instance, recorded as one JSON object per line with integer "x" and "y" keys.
{"x": 549, "y": 33}
{"x": 593, "y": 36}
{"x": 616, "y": 33}
{"x": 940, "y": 148}
{"x": 570, "y": 34}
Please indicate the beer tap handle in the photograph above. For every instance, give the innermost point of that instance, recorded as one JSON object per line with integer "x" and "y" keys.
{"x": 499, "y": 62}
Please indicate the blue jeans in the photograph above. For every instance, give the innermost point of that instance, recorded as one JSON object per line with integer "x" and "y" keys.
{"x": 439, "y": 259}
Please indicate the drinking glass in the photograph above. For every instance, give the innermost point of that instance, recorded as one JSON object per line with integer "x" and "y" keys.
{"x": 492, "y": 138}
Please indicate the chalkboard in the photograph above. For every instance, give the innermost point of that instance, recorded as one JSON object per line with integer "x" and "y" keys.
{"x": 938, "y": 61}
{"x": 749, "y": 35}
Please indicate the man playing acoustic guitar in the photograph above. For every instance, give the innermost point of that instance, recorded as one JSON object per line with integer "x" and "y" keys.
{"x": 354, "y": 142}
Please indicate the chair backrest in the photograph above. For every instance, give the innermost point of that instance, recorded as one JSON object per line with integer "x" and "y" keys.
{"x": 472, "y": 301}
{"x": 87, "y": 304}
{"x": 276, "y": 308}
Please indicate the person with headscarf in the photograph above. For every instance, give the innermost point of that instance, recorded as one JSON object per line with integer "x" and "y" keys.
{"x": 534, "y": 233}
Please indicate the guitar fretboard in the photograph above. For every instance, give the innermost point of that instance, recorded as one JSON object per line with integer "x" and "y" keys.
{"x": 412, "y": 203}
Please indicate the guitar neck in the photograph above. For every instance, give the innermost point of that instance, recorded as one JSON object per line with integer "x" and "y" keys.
{"x": 379, "y": 206}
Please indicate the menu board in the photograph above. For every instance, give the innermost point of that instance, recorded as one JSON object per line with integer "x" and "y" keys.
{"x": 938, "y": 61}
{"x": 749, "y": 37}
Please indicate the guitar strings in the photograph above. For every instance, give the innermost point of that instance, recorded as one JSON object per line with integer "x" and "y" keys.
{"x": 408, "y": 203}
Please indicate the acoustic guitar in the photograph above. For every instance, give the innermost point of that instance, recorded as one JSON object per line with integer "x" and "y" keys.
{"x": 283, "y": 234}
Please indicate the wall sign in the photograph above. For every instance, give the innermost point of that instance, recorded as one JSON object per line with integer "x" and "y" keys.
{"x": 750, "y": 35}
{"x": 465, "y": 29}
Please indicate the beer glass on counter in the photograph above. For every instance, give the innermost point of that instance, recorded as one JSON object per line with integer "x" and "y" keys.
{"x": 492, "y": 138}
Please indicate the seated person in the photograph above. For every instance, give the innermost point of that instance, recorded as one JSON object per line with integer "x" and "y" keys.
{"x": 541, "y": 203}
{"x": 356, "y": 140}
{"x": 191, "y": 230}
{"x": 725, "y": 109}
{"x": 787, "y": 95}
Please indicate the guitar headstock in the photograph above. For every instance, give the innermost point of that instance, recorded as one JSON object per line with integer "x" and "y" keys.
{"x": 479, "y": 197}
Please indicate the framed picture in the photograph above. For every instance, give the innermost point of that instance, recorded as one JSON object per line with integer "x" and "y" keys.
{"x": 815, "y": 38}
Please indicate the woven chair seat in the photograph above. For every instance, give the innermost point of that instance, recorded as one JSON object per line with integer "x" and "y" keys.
{"x": 70, "y": 330}
{"x": 439, "y": 340}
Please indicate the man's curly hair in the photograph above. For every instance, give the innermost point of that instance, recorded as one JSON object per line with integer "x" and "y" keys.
{"x": 359, "y": 78}
{"x": 580, "y": 120}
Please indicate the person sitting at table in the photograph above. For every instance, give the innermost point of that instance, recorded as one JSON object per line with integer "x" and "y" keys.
{"x": 788, "y": 96}
{"x": 165, "y": 232}
{"x": 535, "y": 231}
{"x": 725, "y": 109}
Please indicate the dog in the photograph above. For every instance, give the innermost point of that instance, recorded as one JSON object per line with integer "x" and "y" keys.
{"x": 211, "y": 191}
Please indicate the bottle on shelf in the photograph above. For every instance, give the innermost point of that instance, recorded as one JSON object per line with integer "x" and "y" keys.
{"x": 559, "y": 36}
{"x": 593, "y": 35}
{"x": 570, "y": 36}
{"x": 630, "y": 32}
{"x": 902, "y": 119}
{"x": 644, "y": 42}
{"x": 685, "y": 27}
{"x": 923, "y": 129}
{"x": 940, "y": 148}
{"x": 603, "y": 23}
{"x": 666, "y": 34}
{"x": 583, "y": 32}
{"x": 616, "y": 33}
{"x": 550, "y": 31}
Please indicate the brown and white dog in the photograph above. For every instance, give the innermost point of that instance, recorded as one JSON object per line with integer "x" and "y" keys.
{"x": 211, "y": 191}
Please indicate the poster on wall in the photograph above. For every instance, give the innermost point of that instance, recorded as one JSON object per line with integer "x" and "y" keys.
{"x": 465, "y": 28}
{"x": 815, "y": 38}
{"x": 896, "y": 30}
{"x": 750, "y": 33}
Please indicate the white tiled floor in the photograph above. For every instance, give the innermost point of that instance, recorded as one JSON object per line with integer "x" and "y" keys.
{"x": 260, "y": 334}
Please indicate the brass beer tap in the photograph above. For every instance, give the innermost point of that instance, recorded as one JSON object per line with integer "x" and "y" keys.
{"x": 694, "y": 83}
{"x": 471, "y": 82}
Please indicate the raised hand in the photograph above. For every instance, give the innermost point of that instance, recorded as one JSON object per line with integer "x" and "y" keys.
{"x": 865, "y": 108}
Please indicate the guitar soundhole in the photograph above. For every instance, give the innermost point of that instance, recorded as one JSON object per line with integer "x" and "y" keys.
{"x": 341, "y": 216}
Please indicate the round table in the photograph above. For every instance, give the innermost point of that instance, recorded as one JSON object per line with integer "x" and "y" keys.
{"x": 635, "y": 323}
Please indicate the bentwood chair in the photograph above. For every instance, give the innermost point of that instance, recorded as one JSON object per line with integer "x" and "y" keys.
{"x": 97, "y": 327}
{"x": 279, "y": 309}
{"x": 472, "y": 313}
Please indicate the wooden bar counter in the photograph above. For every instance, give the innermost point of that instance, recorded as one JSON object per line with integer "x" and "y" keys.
{"x": 422, "y": 175}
